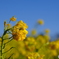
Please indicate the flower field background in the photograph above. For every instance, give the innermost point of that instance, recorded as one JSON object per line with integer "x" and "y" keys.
{"x": 15, "y": 43}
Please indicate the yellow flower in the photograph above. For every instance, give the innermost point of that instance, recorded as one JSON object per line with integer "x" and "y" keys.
{"x": 13, "y": 19}
{"x": 41, "y": 57}
{"x": 41, "y": 39}
{"x": 47, "y": 31}
{"x": 41, "y": 22}
{"x": 33, "y": 32}
{"x": 54, "y": 53}
{"x": 57, "y": 44}
{"x": 21, "y": 35}
{"x": 52, "y": 45}
{"x": 21, "y": 25}
{"x": 19, "y": 31}
{"x": 47, "y": 37}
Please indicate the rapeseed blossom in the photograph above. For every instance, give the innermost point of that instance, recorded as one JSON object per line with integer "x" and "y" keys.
{"x": 13, "y": 19}
{"x": 19, "y": 31}
{"x": 47, "y": 31}
{"x": 41, "y": 22}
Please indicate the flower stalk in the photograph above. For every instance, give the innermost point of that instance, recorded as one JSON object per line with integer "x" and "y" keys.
{"x": 17, "y": 32}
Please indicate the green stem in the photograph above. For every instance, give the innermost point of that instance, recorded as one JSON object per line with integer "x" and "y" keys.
{"x": 9, "y": 21}
{"x": 10, "y": 56}
{"x": 1, "y": 46}
{"x": 2, "y": 41}
{"x": 8, "y": 38}
{"x": 6, "y": 43}
{"x": 1, "y": 50}
{"x": 8, "y": 50}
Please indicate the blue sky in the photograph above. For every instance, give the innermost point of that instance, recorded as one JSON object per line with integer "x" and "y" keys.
{"x": 30, "y": 11}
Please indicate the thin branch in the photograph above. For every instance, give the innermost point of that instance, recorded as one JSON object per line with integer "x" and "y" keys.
{"x": 0, "y": 50}
{"x": 9, "y": 21}
{"x": 8, "y": 38}
{"x": 8, "y": 50}
{"x": 9, "y": 32}
{"x": 10, "y": 56}
{"x": 6, "y": 31}
{"x": 6, "y": 43}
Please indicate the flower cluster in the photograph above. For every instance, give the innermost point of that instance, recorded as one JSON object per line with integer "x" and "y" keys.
{"x": 19, "y": 31}
{"x": 13, "y": 19}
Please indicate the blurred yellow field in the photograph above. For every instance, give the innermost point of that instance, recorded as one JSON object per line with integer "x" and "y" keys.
{"x": 15, "y": 44}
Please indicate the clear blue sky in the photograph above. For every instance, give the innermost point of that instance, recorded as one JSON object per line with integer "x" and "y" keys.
{"x": 30, "y": 11}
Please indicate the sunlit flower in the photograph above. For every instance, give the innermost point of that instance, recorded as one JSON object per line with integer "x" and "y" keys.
{"x": 41, "y": 22}
{"x": 19, "y": 31}
{"x": 54, "y": 53}
{"x": 52, "y": 45}
{"x": 47, "y": 37}
{"x": 13, "y": 19}
{"x": 21, "y": 25}
{"x": 47, "y": 31}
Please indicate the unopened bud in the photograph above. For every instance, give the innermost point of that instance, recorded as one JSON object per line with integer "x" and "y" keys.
{"x": 4, "y": 23}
